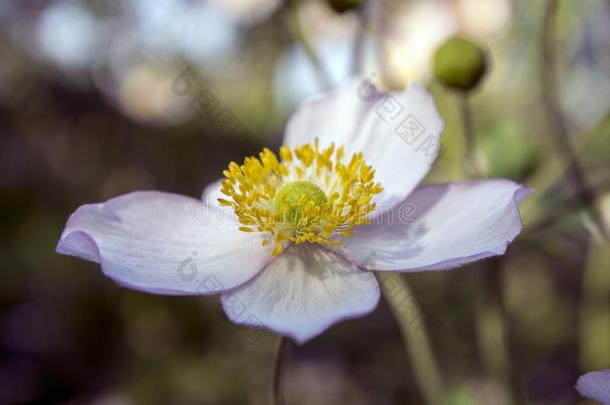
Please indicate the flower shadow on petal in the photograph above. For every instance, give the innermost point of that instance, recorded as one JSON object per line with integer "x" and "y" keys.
{"x": 403, "y": 226}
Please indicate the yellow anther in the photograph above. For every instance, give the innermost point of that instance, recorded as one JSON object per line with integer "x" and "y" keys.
{"x": 286, "y": 154}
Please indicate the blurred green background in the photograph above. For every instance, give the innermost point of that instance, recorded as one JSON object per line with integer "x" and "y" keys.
{"x": 99, "y": 98}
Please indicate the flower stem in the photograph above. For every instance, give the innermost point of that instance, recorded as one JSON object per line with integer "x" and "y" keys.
{"x": 301, "y": 36}
{"x": 559, "y": 130}
{"x": 417, "y": 344}
{"x": 471, "y": 165}
{"x": 492, "y": 329}
{"x": 276, "y": 377}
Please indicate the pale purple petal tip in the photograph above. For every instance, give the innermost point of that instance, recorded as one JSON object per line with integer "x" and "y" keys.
{"x": 595, "y": 385}
{"x": 79, "y": 244}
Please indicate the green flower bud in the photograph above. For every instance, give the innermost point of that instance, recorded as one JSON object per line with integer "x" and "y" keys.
{"x": 341, "y": 6}
{"x": 459, "y": 64}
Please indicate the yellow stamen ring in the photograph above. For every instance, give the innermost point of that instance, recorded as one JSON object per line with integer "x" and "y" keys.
{"x": 310, "y": 196}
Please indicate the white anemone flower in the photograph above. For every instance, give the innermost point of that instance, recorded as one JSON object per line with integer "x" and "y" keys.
{"x": 290, "y": 243}
{"x": 595, "y": 385}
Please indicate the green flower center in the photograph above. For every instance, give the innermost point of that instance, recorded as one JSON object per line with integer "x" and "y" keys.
{"x": 295, "y": 198}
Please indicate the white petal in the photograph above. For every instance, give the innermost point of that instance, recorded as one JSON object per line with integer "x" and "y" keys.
{"x": 164, "y": 243}
{"x": 595, "y": 385}
{"x": 441, "y": 226}
{"x": 212, "y": 193}
{"x": 303, "y": 292}
{"x": 399, "y": 133}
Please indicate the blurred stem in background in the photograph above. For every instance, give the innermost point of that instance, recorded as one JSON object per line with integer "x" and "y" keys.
{"x": 559, "y": 130}
{"x": 301, "y": 36}
{"x": 358, "y": 48}
{"x": 410, "y": 321}
{"x": 492, "y": 329}
{"x": 277, "y": 397}
{"x": 594, "y": 317}
{"x": 537, "y": 216}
